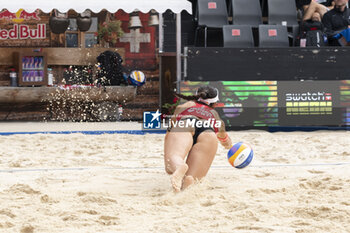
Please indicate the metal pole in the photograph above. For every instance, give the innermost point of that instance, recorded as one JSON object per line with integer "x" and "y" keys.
{"x": 160, "y": 33}
{"x": 185, "y": 61}
{"x": 160, "y": 51}
{"x": 178, "y": 51}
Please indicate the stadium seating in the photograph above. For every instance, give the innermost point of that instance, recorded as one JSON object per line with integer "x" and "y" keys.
{"x": 210, "y": 14}
{"x": 246, "y": 12}
{"x": 282, "y": 12}
{"x": 273, "y": 36}
{"x": 213, "y": 14}
{"x": 238, "y": 36}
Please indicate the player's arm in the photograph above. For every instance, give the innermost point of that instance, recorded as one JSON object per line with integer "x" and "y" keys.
{"x": 222, "y": 135}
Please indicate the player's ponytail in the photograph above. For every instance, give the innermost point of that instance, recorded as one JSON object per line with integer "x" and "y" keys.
{"x": 191, "y": 97}
{"x": 204, "y": 94}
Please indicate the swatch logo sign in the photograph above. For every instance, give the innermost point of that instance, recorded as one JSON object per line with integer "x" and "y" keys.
{"x": 309, "y": 96}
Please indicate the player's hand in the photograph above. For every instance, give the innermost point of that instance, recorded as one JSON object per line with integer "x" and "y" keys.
{"x": 227, "y": 144}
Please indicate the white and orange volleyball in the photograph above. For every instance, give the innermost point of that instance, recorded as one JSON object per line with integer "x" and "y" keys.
{"x": 240, "y": 155}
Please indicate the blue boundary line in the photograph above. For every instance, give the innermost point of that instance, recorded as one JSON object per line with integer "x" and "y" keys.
{"x": 93, "y": 132}
{"x": 161, "y": 168}
{"x": 143, "y": 132}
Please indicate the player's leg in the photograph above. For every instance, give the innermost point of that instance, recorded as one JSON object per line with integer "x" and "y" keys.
{"x": 200, "y": 157}
{"x": 176, "y": 147}
{"x": 313, "y": 7}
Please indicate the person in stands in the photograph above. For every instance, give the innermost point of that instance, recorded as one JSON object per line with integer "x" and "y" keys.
{"x": 336, "y": 23}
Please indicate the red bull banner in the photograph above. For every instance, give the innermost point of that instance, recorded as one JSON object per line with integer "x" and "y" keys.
{"x": 23, "y": 32}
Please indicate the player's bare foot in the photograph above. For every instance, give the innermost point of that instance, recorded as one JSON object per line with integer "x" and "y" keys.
{"x": 188, "y": 180}
{"x": 177, "y": 177}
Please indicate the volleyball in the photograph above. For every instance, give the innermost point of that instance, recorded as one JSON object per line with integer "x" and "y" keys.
{"x": 240, "y": 155}
{"x": 137, "y": 78}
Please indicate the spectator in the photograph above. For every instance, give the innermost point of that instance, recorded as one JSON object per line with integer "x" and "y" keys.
{"x": 335, "y": 21}
{"x": 312, "y": 10}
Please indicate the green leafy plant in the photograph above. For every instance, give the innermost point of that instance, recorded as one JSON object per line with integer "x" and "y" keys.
{"x": 110, "y": 31}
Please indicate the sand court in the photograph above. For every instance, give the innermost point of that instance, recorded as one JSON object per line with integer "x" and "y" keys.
{"x": 297, "y": 182}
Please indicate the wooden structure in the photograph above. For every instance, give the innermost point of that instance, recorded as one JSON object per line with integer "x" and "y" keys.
{"x": 168, "y": 78}
{"x": 57, "y": 57}
{"x": 60, "y": 56}
{"x": 138, "y": 48}
{"x": 40, "y": 103}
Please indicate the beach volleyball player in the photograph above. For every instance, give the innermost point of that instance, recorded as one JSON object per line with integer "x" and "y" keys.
{"x": 192, "y": 139}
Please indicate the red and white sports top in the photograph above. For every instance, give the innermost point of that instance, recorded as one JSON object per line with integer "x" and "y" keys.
{"x": 201, "y": 111}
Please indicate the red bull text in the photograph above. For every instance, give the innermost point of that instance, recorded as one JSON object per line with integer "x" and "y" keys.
{"x": 23, "y": 32}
